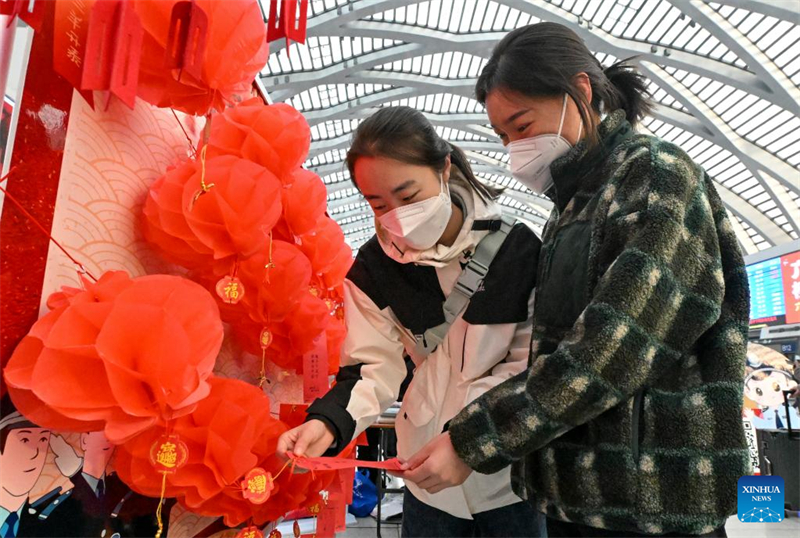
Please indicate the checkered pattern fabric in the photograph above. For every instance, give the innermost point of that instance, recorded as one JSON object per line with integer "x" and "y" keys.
{"x": 629, "y": 417}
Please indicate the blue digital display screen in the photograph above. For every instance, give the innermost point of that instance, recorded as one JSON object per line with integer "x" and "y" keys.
{"x": 766, "y": 290}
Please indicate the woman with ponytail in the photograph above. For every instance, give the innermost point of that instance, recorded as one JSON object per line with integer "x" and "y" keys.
{"x": 628, "y": 420}
{"x": 430, "y": 215}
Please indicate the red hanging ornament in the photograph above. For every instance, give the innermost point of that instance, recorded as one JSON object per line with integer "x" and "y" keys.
{"x": 257, "y": 486}
{"x": 235, "y": 50}
{"x": 168, "y": 454}
{"x": 186, "y": 41}
{"x": 287, "y": 21}
{"x": 113, "y": 50}
{"x": 250, "y": 532}
{"x": 212, "y": 211}
{"x": 230, "y": 289}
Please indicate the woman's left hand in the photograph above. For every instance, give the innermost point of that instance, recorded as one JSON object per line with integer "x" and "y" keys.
{"x": 437, "y": 466}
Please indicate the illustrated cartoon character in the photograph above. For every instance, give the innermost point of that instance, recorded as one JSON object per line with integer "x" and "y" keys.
{"x": 109, "y": 508}
{"x": 23, "y": 450}
{"x": 767, "y": 376}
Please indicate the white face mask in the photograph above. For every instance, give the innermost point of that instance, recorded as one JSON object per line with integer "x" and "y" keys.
{"x": 531, "y": 157}
{"x": 419, "y": 225}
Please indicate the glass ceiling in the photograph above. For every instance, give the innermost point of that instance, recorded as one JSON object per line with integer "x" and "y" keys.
{"x": 725, "y": 75}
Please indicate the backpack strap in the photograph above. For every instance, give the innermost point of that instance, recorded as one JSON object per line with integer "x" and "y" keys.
{"x": 469, "y": 281}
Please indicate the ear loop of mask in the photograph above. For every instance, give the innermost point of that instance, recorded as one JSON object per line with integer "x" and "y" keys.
{"x": 563, "y": 117}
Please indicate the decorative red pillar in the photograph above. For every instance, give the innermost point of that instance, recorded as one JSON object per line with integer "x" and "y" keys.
{"x": 38, "y": 151}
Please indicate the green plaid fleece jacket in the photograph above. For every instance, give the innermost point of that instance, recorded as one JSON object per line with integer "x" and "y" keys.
{"x": 629, "y": 415}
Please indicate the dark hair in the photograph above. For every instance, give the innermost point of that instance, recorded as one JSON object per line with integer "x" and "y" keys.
{"x": 542, "y": 60}
{"x": 404, "y": 134}
{"x": 7, "y": 408}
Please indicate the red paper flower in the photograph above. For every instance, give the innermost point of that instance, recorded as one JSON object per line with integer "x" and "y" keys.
{"x": 235, "y": 51}
{"x": 275, "y": 290}
{"x": 330, "y": 256}
{"x": 274, "y": 136}
{"x": 164, "y": 224}
{"x": 121, "y": 355}
{"x": 234, "y": 216}
{"x": 229, "y": 434}
{"x": 292, "y": 337}
{"x": 304, "y": 201}
{"x": 196, "y": 217}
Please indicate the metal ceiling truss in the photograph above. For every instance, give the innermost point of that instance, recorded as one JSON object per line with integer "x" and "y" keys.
{"x": 761, "y": 78}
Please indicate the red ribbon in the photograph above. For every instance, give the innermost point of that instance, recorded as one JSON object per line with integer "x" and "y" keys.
{"x": 333, "y": 464}
{"x": 36, "y": 223}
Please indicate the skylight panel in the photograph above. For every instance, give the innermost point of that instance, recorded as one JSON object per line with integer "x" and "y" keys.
{"x": 590, "y": 10}
{"x": 400, "y": 15}
{"x": 788, "y": 35}
{"x": 489, "y": 15}
{"x": 500, "y": 17}
{"x": 763, "y": 31}
{"x": 611, "y": 17}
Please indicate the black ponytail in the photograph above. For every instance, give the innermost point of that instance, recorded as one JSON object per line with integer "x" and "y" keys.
{"x": 629, "y": 91}
{"x": 458, "y": 159}
{"x": 543, "y": 60}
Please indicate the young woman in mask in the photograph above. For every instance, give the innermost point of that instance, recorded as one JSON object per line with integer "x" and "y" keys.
{"x": 628, "y": 422}
{"x": 430, "y": 213}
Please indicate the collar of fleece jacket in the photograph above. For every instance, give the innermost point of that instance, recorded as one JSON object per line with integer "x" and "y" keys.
{"x": 575, "y": 169}
{"x": 630, "y": 416}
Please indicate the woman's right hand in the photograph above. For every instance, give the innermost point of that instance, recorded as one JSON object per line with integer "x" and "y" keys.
{"x": 311, "y": 439}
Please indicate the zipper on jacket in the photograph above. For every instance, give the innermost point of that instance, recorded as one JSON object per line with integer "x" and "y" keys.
{"x": 638, "y": 403}
{"x": 464, "y": 349}
{"x": 549, "y": 235}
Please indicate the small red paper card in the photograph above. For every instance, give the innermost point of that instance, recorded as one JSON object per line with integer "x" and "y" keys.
{"x": 69, "y": 40}
{"x": 326, "y": 519}
{"x": 337, "y": 503}
{"x": 315, "y": 370}
{"x": 346, "y": 479}
{"x": 30, "y": 12}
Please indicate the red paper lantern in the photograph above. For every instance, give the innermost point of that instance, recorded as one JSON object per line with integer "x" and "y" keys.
{"x": 212, "y": 211}
{"x": 164, "y": 225}
{"x": 235, "y": 50}
{"x": 233, "y": 217}
{"x": 122, "y": 355}
{"x": 330, "y": 256}
{"x": 275, "y": 136}
{"x": 304, "y": 202}
{"x": 278, "y": 276}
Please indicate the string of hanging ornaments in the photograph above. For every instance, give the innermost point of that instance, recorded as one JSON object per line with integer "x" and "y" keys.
{"x": 134, "y": 357}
